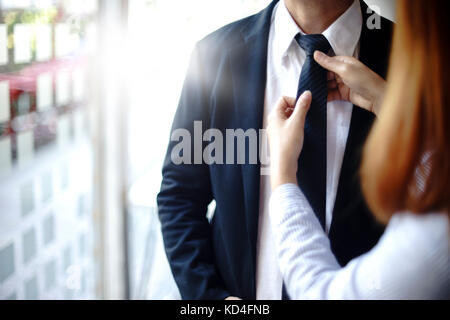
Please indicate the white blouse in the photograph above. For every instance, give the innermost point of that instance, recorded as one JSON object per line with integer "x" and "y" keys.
{"x": 411, "y": 260}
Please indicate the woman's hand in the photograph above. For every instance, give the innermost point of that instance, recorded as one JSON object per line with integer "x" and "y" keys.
{"x": 286, "y": 132}
{"x": 352, "y": 81}
{"x": 233, "y": 298}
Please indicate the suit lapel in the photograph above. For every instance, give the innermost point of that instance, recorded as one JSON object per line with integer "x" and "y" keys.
{"x": 374, "y": 53}
{"x": 248, "y": 63}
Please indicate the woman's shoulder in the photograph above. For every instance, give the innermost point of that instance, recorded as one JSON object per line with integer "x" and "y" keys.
{"x": 423, "y": 238}
{"x": 432, "y": 226}
{"x": 422, "y": 243}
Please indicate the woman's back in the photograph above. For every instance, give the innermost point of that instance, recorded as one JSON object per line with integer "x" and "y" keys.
{"x": 413, "y": 245}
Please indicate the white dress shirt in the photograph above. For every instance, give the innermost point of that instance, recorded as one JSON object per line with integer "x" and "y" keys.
{"x": 284, "y": 64}
{"x": 411, "y": 260}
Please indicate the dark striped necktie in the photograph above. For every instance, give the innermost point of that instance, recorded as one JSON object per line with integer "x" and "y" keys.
{"x": 312, "y": 165}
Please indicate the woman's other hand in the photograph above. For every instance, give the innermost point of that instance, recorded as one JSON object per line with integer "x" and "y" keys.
{"x": 350, "y": 80}
{"x": 286, "y": 133}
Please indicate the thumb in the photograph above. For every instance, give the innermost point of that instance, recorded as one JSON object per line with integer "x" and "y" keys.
{"x": 332, "y": 64}
{"x": 301, "y": 108}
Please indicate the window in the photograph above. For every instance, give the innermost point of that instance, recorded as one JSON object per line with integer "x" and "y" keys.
{"x": 47, "y": 223}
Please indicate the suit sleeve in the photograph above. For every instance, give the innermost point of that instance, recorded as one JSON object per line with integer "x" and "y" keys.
{"x": 185, "y": 194}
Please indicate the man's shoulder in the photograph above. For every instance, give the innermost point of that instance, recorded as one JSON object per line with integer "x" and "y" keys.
{"x": 387, "y": 27}
{"x": 228, "y": 36}
{"x": 378, "y": 25}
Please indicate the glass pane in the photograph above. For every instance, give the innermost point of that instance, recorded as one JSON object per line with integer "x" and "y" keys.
{"x": 46, "y": 152}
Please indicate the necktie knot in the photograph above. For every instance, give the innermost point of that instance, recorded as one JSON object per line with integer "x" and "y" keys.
{"x": 313, "y": 42}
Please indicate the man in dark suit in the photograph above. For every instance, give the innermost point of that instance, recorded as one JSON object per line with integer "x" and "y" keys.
{"x": 227, "y": 87}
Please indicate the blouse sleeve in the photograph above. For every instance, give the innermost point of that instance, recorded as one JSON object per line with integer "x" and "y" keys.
{"x": 411, "y": 260}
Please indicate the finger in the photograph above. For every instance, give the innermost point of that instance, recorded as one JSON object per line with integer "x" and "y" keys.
{"x": 332, "y": 84}
{"x": 289, "y": 112}
{"x": 280, "y": 109}
{"x": 332, "y": 64}
{"x": 290, "y": 101}
{"x": 301, "y": 109}
{"x": 331, "y": 75}
{"x": 283, "y": 105}
{"x": 289, "y": 109}
{"x": 361, "y": 102}
{"x": 334, "y": 95}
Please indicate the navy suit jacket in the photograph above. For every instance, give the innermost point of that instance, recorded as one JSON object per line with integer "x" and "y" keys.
{"x": 224, "y": 89}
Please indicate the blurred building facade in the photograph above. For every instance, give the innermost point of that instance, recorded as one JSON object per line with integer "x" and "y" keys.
{"x": 47, "y": 222}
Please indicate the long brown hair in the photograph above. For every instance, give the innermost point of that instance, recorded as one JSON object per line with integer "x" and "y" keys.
{"x": 406, "y": 161}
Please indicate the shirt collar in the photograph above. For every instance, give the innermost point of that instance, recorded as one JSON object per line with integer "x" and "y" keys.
{"x": 343, "y": 34}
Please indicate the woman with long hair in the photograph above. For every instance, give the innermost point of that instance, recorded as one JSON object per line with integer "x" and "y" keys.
{"x": 405, "y": 171}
